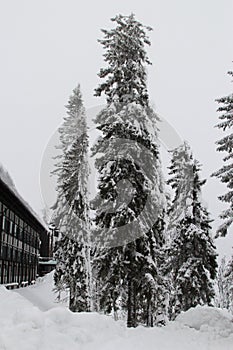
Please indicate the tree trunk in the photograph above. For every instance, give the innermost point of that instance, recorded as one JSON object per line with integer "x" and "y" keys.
{"x": 72, "y": 301}
{"x": 149, "y": 315}
{"x": 89, "y": 281}
{"x": 131, "y": 317}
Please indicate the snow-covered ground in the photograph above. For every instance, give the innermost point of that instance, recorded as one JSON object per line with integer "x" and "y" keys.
{"x": 30, "y": 318}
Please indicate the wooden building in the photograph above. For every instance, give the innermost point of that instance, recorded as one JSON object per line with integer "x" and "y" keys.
{"x": 23, "y": 237}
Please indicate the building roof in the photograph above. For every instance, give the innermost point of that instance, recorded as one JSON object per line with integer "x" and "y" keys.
{"x": 6, "y": 179}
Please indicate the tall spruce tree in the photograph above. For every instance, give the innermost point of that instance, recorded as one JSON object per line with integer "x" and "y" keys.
{"x": 71, "y": 209}
{"x": 126, "y": 57}
{"x": 130, "y": 179}
{"x": 190, "y": 254}
{"x": 225, "y": 174}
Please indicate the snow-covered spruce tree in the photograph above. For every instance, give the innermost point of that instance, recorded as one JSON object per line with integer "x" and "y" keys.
{"x": 225, "y": 174}
{"x": 190, "y": 254}
{"x": 228, "y": 284}
{"x": 126, "y": 57}
{"x": 225, "y": 284}
{"x": 180, "y": 172}
{"x": 71, "y": 208}
{"x": 222, "y": 299}
{"x": 130, "y": 201}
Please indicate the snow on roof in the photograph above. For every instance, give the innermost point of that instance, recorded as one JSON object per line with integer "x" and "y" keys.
{"x": 6, "y": 178}
{"x": 49, "y": 262}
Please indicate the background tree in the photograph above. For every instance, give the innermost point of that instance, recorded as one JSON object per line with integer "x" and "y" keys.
{"x": 225, "y": 284}
{"x": 191, "y": 256}
{"x": 225, "y": 174}
{"x": 130, "y": 178}
{"x": 71, "y": 209}
{"x": 180, "y": 173}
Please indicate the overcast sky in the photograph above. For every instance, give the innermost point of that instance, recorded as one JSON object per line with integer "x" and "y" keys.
{"x": 49, "y": 46}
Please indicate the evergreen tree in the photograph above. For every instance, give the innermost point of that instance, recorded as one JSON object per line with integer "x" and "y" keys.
{"x": 225, "y": 174}
{"x": 190, "y": 254}
{"x": 130, "y": 201}
{"x": 225, "y": 284}
{"x": 126, "y": 58}
{"x": 179, "y": 179}
{"x": 222, "y": 290}
{"x": 71, "y": 209}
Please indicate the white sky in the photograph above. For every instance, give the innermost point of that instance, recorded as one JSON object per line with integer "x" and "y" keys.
{"x": 48, "y": 46}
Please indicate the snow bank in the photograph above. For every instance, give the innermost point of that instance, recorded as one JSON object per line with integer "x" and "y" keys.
{"x": 42, "y": 293}
{"x": 30, "y": 319}
{"x": 208, "y": 319}
{"x": 24, "y": 326}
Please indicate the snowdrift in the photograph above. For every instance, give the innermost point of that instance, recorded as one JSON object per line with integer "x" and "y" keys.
{"x": 42, "y": 294}
{"x": 208, "y": 319}
{"x": 24, "y": 326}
{"x": 30, "y": 319}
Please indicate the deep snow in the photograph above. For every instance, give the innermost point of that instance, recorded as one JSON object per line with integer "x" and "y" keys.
{"x": 30, "y": 318}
